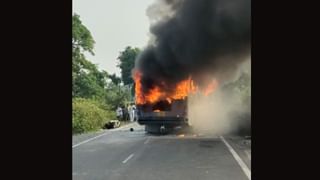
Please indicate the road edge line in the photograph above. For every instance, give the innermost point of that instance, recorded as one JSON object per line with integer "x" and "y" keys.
{"x": 243, "y": 166}
{"x": 90, "y": 139}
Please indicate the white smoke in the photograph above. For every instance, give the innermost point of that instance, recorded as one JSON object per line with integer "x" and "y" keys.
{"x": 221, "y": 111}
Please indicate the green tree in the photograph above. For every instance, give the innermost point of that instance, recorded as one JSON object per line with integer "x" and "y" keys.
{"x": 90, "y": 84}
{"x": 126, "y": 63}
{"x": 115, "y": 79}
{"x": 88, "y": 81}
{"x": 82, "y": 39}
{"x": 95, "y": 93}
{"x": 116, "y": 95}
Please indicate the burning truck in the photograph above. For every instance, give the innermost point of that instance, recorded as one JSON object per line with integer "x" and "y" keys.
{"x": 163, "y": 116}
{"x": 160, "y": 110}
{"x": 192, "y": 42}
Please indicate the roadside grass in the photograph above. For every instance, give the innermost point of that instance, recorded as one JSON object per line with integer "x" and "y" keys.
{"x": 89, "y": 116}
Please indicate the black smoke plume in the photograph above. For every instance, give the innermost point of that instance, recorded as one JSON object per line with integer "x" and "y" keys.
{"x": 198, "y": 38}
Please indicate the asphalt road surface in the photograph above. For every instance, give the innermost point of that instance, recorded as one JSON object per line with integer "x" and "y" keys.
{"x": 120, "y": 154}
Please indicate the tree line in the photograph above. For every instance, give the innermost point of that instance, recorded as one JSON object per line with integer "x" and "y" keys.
{"x": 95, "y": 93}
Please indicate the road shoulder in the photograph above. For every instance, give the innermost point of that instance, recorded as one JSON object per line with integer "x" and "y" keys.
{"x": 76, "y": 139}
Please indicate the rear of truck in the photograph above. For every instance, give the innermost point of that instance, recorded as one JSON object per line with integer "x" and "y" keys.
{"x": 163, "y": 115}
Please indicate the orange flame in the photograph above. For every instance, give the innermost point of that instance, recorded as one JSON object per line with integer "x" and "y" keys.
{"x": 210, "y": 88}
{"x": 138, "y": 88}
{"x": 183, "y": 88}
{"x": 181, "y": 91}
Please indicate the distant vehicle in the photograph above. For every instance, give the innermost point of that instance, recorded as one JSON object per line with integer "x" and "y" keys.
{"x": 112, "y": 124}
{"x": 163, "y": 116}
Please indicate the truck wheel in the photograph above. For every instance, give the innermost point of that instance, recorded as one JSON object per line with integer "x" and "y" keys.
{"x": 162, "y": 129}
{"x": 153, "y": 129}
{"x": 187, "y": 128}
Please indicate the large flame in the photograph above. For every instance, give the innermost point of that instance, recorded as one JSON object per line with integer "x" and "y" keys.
{"x": 181, "y": 91}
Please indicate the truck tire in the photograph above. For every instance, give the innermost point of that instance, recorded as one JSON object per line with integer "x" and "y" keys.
{"x": 186, "y": 128}
{"x": 153, "y": 129}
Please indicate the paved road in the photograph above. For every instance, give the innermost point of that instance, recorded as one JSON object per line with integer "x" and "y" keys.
{"x": 123, "y": 155}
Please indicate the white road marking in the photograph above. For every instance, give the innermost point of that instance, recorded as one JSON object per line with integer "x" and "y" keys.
{"x": 146, "y": 142}
{"x": 88, "y": 140}
{"x": 243, "y": 166}
{"x": 128, "y": 158}
{"x": 76, "y": 145}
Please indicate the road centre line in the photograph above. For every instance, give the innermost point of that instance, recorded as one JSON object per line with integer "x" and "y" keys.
{"x": 147, "y": 141}
{"x": 127, "y": 159}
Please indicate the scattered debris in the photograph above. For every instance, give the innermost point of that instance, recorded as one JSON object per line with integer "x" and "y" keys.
{"x": 112, "y": 124}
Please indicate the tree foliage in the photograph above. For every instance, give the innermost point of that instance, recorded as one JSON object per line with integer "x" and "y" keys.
{"x": 95, "y": 93}
{"x": 88, "y": 81}
{"x": 89, "y": 115}
{"x": 82, "y": 39}
{"x": 117, "y": 95}
{"x": 126, "y": 63}
{"x": 115, "y": 79}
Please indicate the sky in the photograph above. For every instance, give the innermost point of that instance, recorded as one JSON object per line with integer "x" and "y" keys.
{"x": 114, "y": 24}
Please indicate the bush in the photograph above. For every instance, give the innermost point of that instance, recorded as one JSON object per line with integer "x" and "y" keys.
{"x": 88, "y": 115}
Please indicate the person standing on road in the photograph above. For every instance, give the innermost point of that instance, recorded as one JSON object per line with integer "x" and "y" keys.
{"x": 134, "y": 113}
{"x": 119, "y": 113}
{"x": 130, "y": 112}
{"x": 125, "y": 114}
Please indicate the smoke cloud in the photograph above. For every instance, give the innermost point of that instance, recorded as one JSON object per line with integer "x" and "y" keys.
{"x": 224, "y": 111}
{"x": 202, "y": 38}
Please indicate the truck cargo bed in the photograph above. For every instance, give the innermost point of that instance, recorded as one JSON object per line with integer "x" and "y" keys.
{"x": 163, "y": 114}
